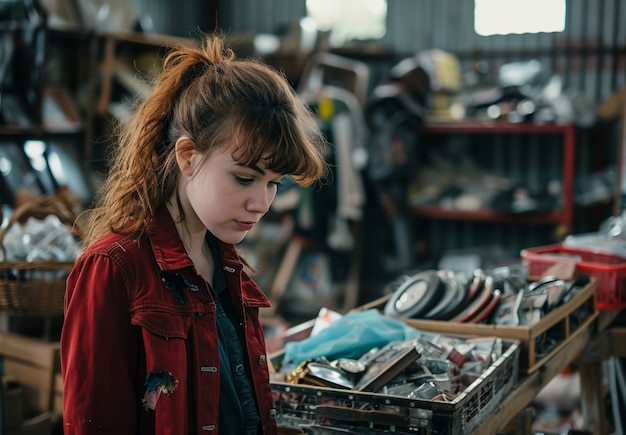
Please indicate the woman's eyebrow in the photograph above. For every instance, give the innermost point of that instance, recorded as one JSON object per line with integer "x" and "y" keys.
{"x": 253, "y": 167}
{"x": 257, "y": 169}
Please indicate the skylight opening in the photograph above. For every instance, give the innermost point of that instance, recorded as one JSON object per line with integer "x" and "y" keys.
{"x": 350, "y": 19}
{"x": 503, "y": 17}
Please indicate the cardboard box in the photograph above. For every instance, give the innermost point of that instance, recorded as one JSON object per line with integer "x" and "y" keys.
{"x": 33, "y": 363}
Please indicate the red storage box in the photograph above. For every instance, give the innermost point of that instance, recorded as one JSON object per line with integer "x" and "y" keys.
{"x": 609, "y": 270}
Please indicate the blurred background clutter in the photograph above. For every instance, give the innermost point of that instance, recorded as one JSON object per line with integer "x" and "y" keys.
{"x": 464, "y": 136}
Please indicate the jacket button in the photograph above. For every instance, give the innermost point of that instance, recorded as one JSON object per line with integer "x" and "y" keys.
{"x": 208, "y": 427}
{"x": 239, "y": 369}
{"x": 262, "y": 359}
{"x": 273, "y": 413}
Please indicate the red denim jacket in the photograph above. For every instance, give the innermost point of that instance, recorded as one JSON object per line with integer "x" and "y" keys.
{"x": 125, "y": 319}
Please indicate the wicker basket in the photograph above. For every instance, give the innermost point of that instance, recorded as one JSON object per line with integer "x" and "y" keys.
{"x": 34, "y": 288}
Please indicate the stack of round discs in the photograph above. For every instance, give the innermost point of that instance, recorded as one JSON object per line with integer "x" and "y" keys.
{"x": 444, "y": 295}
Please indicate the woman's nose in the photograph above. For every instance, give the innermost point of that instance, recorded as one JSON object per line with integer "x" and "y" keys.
{"x": 261, "y": 200}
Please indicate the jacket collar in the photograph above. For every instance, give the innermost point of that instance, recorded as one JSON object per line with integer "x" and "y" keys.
{"x": 168, "y": 248}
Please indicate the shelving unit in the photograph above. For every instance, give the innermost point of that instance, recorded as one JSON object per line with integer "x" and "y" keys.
{"x": 560, "y": 217}
{"x": 51, "y": 124}
{"x": 126, "y": 49}
{"x": 536, "y": 154}
{"x": 125, "y": 62}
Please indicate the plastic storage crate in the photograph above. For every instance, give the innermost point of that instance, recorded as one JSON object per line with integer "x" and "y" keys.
{"x": 304, "y": 406}
{"x": 609, "y": 270}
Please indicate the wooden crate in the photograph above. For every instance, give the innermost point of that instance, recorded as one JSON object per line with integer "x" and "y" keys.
{"x": 33, "y": 363}
{"x": 559, "y": 320}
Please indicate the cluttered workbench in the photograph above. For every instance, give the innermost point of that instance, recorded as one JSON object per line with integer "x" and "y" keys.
{"x": 583, "y": 333}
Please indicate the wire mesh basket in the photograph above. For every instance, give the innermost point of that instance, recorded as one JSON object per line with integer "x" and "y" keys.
{"x": 317, "y": 409}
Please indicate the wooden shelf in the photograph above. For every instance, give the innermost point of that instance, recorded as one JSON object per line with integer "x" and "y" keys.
{"x": 113, "y": 43}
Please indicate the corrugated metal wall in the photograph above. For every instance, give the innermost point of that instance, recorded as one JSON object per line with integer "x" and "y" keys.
{"x": 180, "y": 18}
{"x": 245, "y": 16}
{"x": 590, "y": 54}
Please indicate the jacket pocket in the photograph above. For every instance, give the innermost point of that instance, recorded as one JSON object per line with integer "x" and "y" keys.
{"x": 163, "y": 324}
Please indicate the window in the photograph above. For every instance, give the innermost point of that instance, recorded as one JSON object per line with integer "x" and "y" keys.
{"x": 349, "y": 19}
{"x": 501, "y": 17}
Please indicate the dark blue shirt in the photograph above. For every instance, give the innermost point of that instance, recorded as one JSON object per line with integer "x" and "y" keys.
{"x": 238, "y": 411}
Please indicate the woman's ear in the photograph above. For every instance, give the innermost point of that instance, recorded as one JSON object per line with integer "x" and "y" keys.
{"x": 185, "y": 152}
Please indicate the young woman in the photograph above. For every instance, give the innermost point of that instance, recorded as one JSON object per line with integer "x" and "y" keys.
{"x": 161, "y": 332}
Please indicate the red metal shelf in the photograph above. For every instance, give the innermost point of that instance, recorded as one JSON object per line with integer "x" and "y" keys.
{"x": 565, "y": 216}
{"x": 435, "y": 212}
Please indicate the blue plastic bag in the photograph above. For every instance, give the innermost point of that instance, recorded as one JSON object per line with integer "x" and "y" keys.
{"x": 349, "y": 337}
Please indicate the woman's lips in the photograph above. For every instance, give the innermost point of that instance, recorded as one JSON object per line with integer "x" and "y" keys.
{"x": 244, "y": 226}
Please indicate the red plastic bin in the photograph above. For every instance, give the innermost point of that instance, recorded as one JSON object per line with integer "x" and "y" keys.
{"x": 609, "y": 270}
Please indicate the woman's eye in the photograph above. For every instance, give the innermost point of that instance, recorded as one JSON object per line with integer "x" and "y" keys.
{"x": 244, "y": 181}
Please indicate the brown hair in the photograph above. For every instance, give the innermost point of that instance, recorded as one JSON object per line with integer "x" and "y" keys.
{"x": 209, "y": 95}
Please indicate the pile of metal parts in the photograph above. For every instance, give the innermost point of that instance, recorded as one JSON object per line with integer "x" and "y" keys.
{"x": 524, "y": 92}
{"x": 431, "y": 368}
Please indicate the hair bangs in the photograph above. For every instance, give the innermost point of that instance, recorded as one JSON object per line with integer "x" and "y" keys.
{"x": 284, "y": 146}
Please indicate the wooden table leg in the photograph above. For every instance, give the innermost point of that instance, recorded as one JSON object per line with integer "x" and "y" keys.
{"x": 592, "y": 394}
